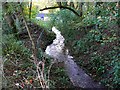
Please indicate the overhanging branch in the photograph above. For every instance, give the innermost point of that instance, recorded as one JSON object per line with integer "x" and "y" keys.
{"x": 63, "y": 7}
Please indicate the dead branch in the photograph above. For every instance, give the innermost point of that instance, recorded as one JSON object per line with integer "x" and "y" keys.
{"x": 49, "y": 72}
{"x": 62, "y": 7}
{"x": 40, "y": 71}
{"x": 33, "y": 44}
{"x": 41, "y": 76}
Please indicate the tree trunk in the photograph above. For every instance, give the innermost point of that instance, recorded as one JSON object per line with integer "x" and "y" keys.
{"x": 87, "y": 6}
{"x": 59, "y": 4}
{"x": 64, "y": 3}
{"x": 30, "y": 9}
{"x": 80, "y": 4}
{"x": 72, "y": 4}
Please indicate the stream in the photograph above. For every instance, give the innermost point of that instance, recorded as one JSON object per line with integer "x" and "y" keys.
{"x": 78, "y": 76}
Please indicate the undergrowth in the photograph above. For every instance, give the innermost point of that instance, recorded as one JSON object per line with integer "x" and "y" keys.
{"x": 98, "y": 44}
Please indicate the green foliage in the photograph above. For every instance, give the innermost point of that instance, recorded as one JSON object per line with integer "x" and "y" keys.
{"x": 5, "y": 27}
{"x": 60, "y": 77}
{"x": 81, "y": 46}
{"x": 85, "y": 44}
{"x": 103, "y": 63}
{"x": 11, "y": 7}
{"x": 97, "y": 44}
{"x": 89, "y": 20}
{"x": 34, "y": 11}
{"x": 14, "y": 49}
{"x": 44, "y": 24}
{"x": 62, "y": 18}
{"x": 92, "y": 42}
{"x": 107, "y": 14}
{"x": 111, "y": 59}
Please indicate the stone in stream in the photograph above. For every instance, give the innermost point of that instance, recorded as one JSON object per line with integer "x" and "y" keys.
{"x": 77, "y": 76}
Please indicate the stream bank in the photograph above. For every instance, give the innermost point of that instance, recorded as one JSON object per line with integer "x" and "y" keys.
{"x": 77, "y": 75}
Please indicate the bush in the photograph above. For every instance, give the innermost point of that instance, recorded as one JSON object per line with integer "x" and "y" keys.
{"x": 13, "y": 47}
{"x": 61, "y": 19}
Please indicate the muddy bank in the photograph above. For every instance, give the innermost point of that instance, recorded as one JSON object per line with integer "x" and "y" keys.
{"x": 41, "y": 36}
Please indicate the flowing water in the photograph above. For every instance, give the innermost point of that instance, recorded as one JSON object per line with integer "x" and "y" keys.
{"x": 77, "y": 75}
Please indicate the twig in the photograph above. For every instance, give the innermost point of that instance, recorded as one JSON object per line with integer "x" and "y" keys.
{"x": 49, "y": 72}
{"x": 40, "y": 71}
{"x": 33, "y": 44}
{"x": 38, "y": 40}
{"x": 41, "y": 76}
